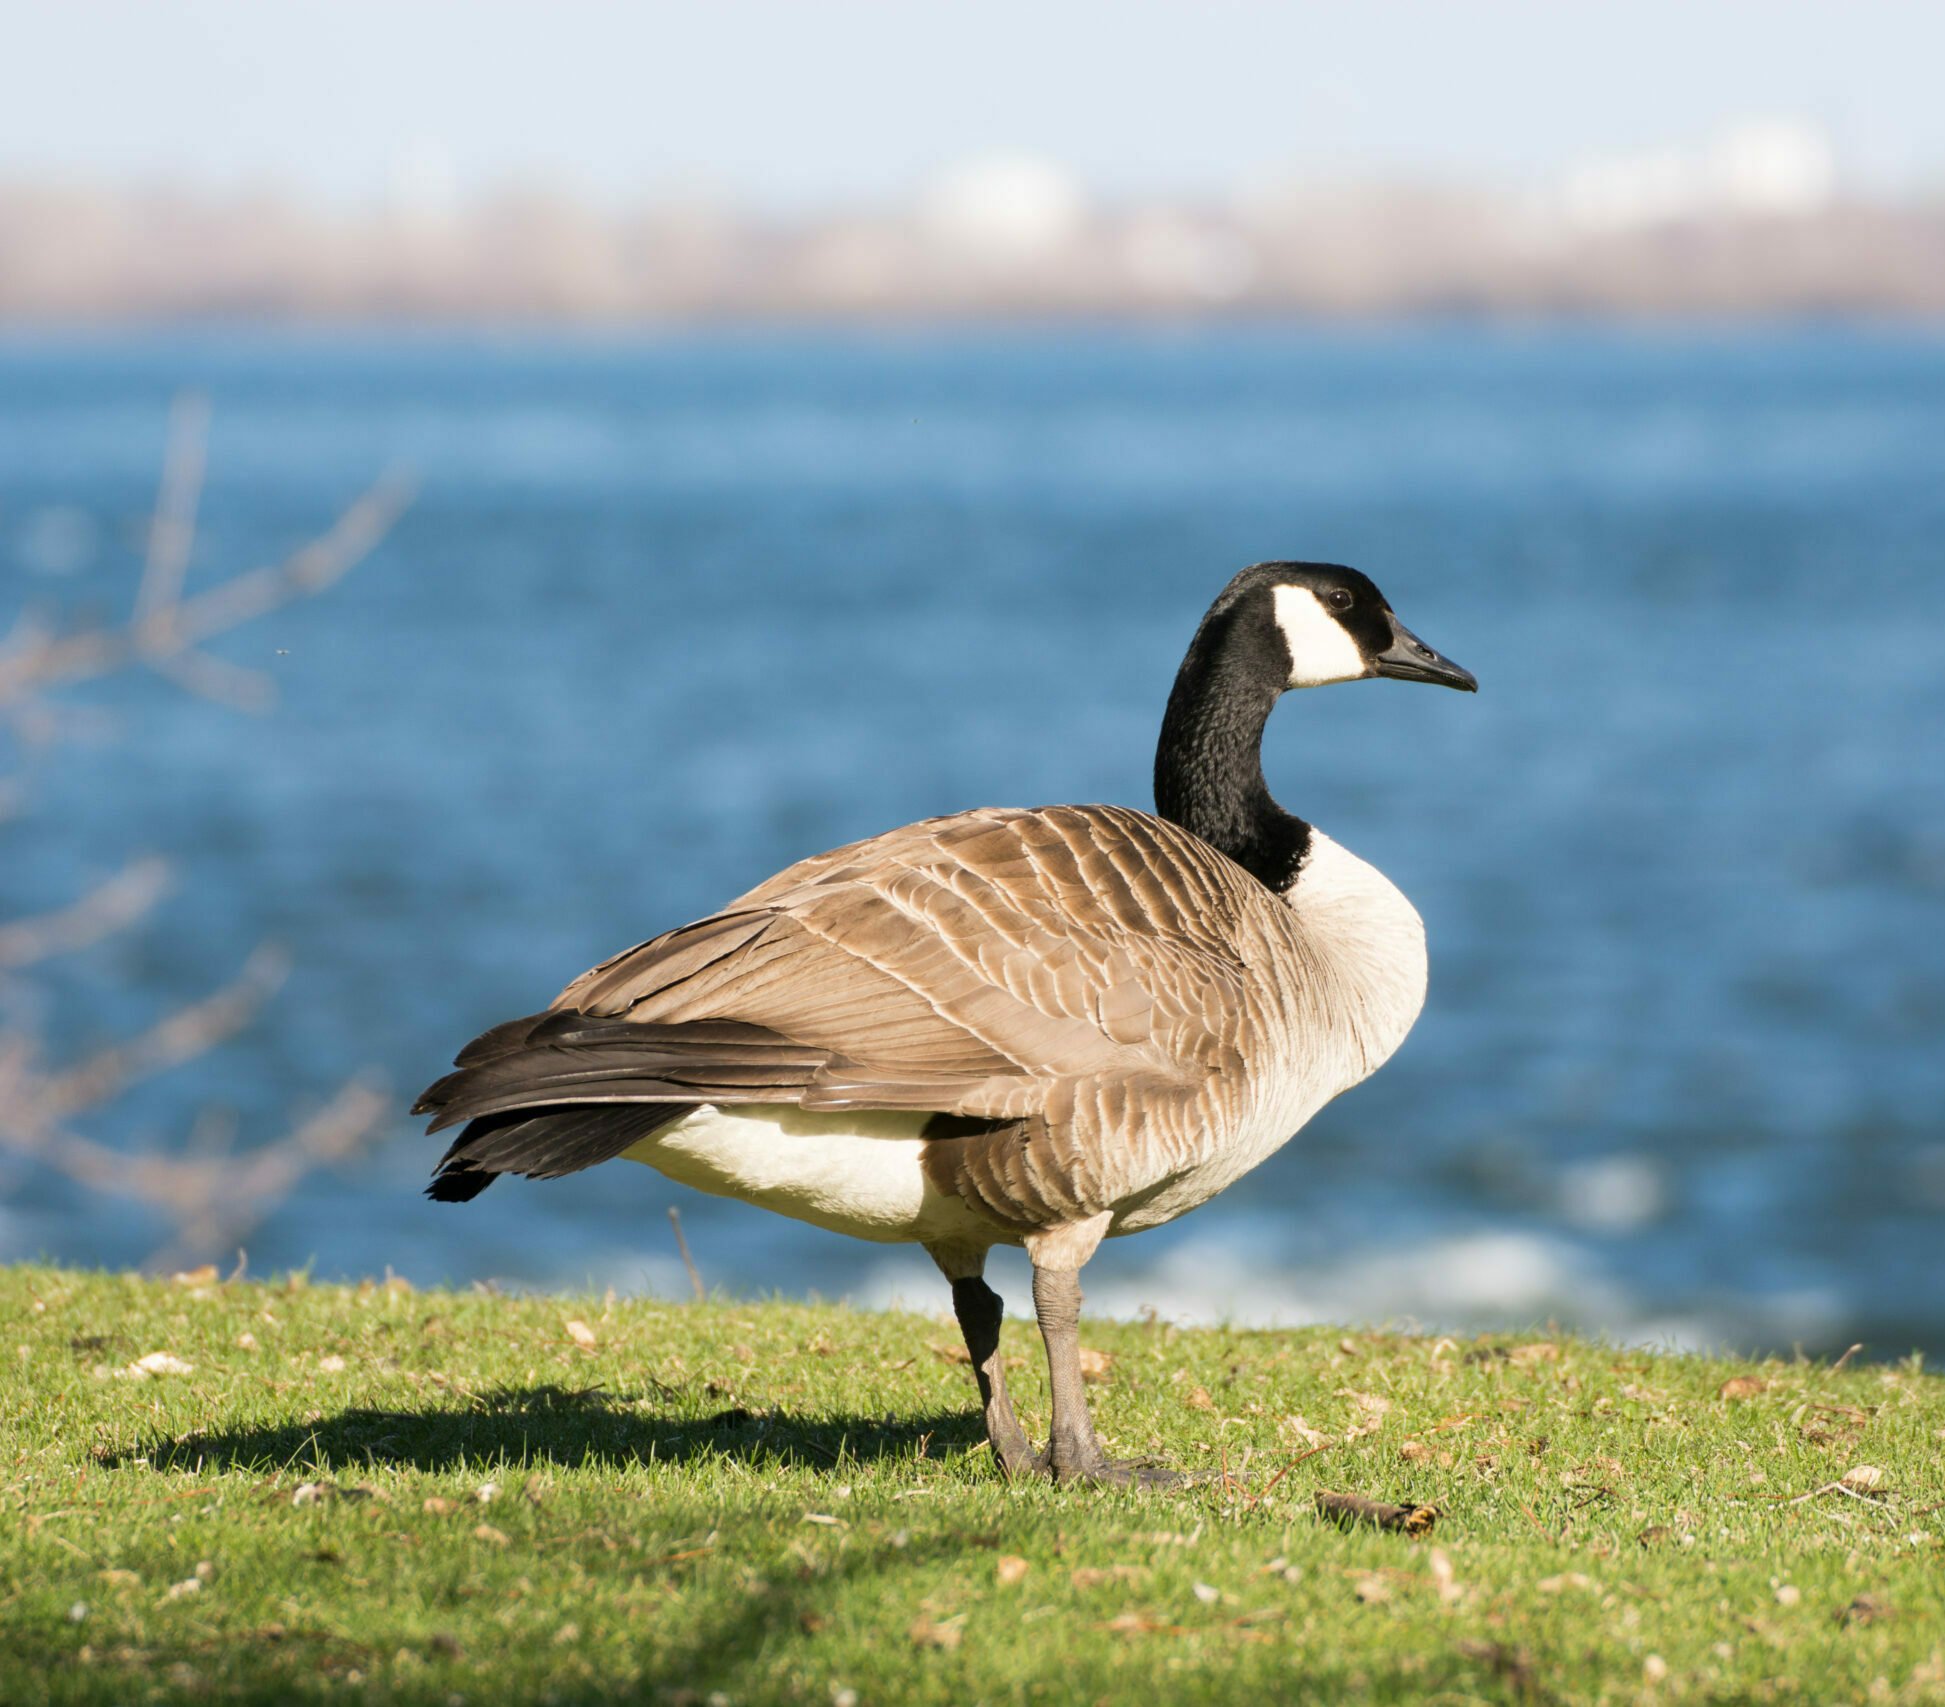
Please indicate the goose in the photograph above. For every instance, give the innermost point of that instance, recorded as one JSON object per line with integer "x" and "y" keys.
{"x": 1030, "y": 1027}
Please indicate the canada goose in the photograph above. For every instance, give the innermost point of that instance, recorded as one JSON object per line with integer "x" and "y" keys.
{"x": 1034, "y": 1027}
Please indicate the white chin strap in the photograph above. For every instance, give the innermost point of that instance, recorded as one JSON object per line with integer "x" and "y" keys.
{"x": 1320, "y": 649}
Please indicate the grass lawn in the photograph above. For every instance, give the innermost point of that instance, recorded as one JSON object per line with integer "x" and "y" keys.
{"x": 317, "y": 1492}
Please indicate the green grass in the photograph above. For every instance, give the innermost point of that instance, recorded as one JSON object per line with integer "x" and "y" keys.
{"x": 776, "y": 1502}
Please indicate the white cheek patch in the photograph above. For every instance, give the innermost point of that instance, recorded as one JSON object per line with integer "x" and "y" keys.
{"x": 1320, "y": 649}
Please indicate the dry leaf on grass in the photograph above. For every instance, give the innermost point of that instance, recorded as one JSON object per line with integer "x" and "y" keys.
{"x": 1564, "y": 1581}
{"x": 487, "y": 1533}
{"x": 1372, "y": 1409}
{"x": 1459, "y": 1420}
{"x": 1198, "y": 1399}
{"x": 1371, "y": 1589}
{"x": 943, "y": 1633}
{"x": 203, "y": 1276}
{"x": 1093, "y": 1576}
{"x": 1304, "y": 1432}
{"x": 332, "y": 1365}
{"x": 951, "y": 1353}
{"x": 580, "y": 1333}
{"x": 1788, "y": 1594}
{"x": 1865, "y": 1609}
{"x": 435, "y": 1506}
{"x": 1444, "y": 1579}
{"x": 159, "y": 1363}
{"x": 1096, "y": 1366}
{"x": 1742, "y": 1387}
{"x": 1011, "y": 1569}
{"x": 1861, "y": 1478}
{"x": 1541, "y": 1351}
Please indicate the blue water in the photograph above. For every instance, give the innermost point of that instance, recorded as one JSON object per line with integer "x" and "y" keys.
{"x": 670, "y": 614}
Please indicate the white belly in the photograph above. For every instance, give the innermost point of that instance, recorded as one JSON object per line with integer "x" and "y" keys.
{"x": 857, "y": 1173}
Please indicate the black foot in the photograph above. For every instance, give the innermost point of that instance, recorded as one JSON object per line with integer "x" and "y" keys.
{"x": 1018, "y": 1462}
{"x": 1097, "y": 1470}
{"x": 1129, "y": 1473}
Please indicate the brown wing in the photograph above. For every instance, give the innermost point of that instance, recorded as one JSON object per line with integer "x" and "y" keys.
{"x": 963, "y": 964}
{"x": 1000, "y": 964}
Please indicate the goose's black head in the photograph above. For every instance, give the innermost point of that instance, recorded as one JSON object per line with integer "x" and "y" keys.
{"x": 1308, "y": 624}
{"x": 1276, "y": 626}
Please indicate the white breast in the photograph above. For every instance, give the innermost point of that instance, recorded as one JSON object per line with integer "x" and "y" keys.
{"x": 1367, "y": 943}
{"x": 1351, "y": 994}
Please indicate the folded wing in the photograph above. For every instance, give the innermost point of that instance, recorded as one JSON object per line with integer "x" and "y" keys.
{"x": 972, "y": 965}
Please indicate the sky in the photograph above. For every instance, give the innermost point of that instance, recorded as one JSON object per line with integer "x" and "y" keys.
{"x": 802, "y": 104}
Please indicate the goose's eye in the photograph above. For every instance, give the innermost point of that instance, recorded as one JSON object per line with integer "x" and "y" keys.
{"x": 1339, "y": 598}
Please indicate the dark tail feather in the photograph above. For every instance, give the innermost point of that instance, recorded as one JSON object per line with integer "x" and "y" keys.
{"x": 502, "y": 1039}
{"x": 458, "y": 1184}
{"x": 555, "y": 1092}
{"x": 562, "y": 1057}
{"x": 544, "y": 1143}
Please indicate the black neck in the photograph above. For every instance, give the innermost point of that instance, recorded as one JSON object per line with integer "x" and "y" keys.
{"x": 1209, "y": 762}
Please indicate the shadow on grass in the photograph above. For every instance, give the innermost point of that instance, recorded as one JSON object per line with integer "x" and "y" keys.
{"x": 553, "y": 1425}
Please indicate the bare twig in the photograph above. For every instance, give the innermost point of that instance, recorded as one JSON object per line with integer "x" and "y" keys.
{"x": 1270, "y": 1486}
{"x": 210, "y": 1193}
{"x": 178, "y": 1037}
{"x": 215, "y": 1200}
{"x": 1839, "y": 1364}
{"x": 164, "y": 634}
{"x": 210, "y": 677}
{"x": 1831, "y": 1488}
{"x": 103, "y": 910}
{"x": 172, "y": 534}
{"x": 688, "y": 1262}
{"x": 252, "y": 1185}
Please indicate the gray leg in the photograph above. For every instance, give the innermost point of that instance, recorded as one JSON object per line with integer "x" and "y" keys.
{"x": 980, "y": 1313}
{"x": 1074, "y": 1454}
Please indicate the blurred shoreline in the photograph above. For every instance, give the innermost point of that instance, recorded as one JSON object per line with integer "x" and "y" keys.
{"x": 1758, "y": 225}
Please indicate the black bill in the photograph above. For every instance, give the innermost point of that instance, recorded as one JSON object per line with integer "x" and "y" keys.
{"x": 1409, "y": 659}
